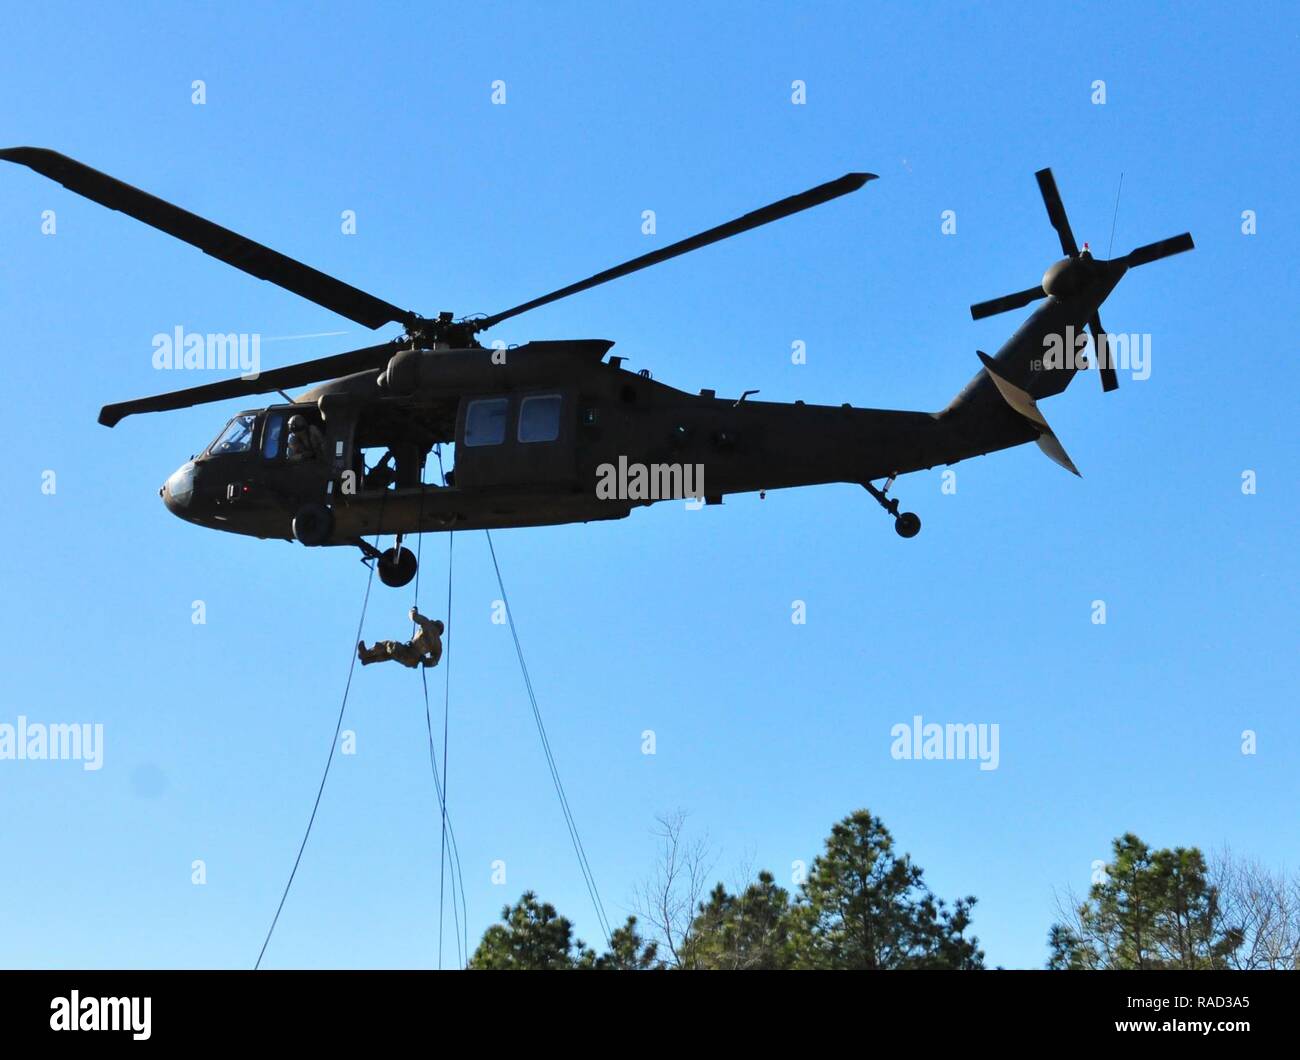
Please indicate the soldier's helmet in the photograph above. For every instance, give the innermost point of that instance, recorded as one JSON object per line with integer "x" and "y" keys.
{"x": 297, "y": 422}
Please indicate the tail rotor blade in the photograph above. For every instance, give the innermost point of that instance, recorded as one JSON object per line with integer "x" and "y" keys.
{"x": 1007, "y": 302}
{"x": 1056, "y": 212}
{"x": 1163, "y": 249}
{"x": 1109, "y": 377}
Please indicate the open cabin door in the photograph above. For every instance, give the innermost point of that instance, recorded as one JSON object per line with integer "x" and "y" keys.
{"x": 518, "y": 439}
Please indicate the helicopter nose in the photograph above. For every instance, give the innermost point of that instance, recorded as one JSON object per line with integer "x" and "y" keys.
{"x": 178, "y": 491}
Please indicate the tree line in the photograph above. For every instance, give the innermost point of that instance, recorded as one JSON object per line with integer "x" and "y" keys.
{"x": 864, "y": 905}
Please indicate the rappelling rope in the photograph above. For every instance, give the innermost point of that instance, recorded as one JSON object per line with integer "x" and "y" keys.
{"x": 338, "y": 726}
{"x": 460, "y": 913}
{"x": 446, "y": 718}
{"x": 569, "y": 820}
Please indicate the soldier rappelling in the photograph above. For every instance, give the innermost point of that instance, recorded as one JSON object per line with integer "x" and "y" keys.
{"x": 423, "y": 649}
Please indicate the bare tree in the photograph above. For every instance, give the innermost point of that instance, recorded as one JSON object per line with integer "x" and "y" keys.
{"x": 668, "y": 901}
{"x": 1264, "y": 906}
{"x": 1088, "y": 947}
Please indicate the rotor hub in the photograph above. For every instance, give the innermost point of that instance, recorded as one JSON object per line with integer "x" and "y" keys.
{"x": 1069, "y": 276}
{"x": 442, "y": 332}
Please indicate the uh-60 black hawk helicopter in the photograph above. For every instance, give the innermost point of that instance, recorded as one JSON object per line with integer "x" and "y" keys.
{"x": 536, "y": 427}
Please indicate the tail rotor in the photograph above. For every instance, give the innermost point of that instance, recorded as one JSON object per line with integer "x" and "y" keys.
{"x": 1078, "y": 271}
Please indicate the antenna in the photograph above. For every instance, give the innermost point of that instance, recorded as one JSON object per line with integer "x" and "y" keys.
{"x": 1115, "y": 218}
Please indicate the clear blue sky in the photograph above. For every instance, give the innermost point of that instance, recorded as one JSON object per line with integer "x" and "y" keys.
{"x": 674, "y": 621}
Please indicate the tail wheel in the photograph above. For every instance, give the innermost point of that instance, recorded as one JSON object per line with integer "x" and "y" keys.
{"x": 907, "y": 525}
{"x": 397, "y": 567}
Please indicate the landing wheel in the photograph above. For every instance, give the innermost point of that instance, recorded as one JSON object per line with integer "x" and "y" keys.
{"x": 907, "y": 525}
{"x": 397, "y": 567}
{"x": 313, "y": 524}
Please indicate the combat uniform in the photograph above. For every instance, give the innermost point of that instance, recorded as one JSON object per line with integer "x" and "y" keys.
{"x": 307, "y": 443}
{"x": 425, "y": 648}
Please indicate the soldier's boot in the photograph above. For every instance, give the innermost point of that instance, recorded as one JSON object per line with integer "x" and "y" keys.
{"x": 369, "y": 655}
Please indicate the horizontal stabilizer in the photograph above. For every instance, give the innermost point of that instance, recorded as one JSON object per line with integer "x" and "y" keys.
{"x": 1028, "y": 408}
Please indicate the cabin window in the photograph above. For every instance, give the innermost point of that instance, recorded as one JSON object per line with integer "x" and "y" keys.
{"x": 485, "y": 421}
{"x": 539, "y": 418}
{"x": 273, "y": 436}
{"x": 236, "y": 438}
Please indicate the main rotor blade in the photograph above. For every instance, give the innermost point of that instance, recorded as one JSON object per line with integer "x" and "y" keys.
{"x": 1163, "y": 249}
{"x": 1101, "y": 344}
{"x": 223, "y": 244}
{"x": 794, "y": 204}
{"x": 1056, "y": 212}
{"x": 293, "y": 375}
{"x": 1007, "y": 302}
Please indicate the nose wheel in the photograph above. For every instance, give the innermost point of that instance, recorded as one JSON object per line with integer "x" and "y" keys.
{"x": 906, "y": 524}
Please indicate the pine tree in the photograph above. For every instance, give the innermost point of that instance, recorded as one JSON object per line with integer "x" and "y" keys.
{"x": 531, "y": 935}
{"x": 749, "y": 930}
{"x": 1152, "y": 909}
{"x": 863, "y": 906}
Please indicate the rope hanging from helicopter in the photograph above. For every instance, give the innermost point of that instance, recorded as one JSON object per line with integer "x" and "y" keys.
{"x": 460, "y": 913}
{"x": 583, "y": 864}
{"x": 449, "y": 849}
{"x": 329, "y": 761}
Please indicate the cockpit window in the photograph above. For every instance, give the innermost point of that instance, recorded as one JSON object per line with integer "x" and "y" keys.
{"x": 236, "y": 438}
{"x": 272, "y": 434}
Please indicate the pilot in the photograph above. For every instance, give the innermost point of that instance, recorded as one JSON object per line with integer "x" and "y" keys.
{"x": 306, "y": 442}
{"x": 424, "y": 649}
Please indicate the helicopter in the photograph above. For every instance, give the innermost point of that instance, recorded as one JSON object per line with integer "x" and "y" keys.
{"x": 553, "y": 432}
